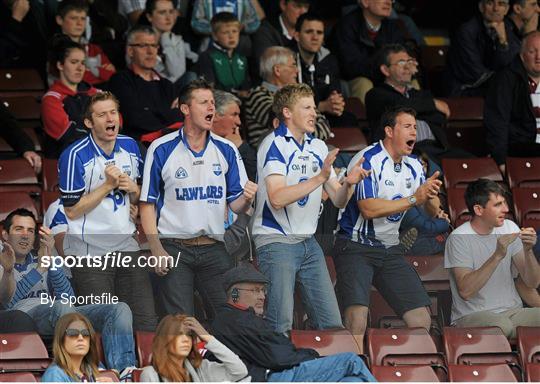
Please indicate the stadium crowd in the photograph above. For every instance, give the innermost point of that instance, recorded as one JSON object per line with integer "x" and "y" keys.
{"x": 200, "y": 133}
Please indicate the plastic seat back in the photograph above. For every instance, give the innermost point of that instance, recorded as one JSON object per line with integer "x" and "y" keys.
{"x": 458, "y": 173}
{"x": 523, "y": 172}
{"x": 144, "y": 340}
{"x": 481, "y": 373}
{"x": 404, "y": 373}
{"x": 326, "y": 342}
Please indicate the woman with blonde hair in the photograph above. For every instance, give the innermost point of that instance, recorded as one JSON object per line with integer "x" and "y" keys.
{"x": 175, "y": 356}
{"x": 75, "y": 351}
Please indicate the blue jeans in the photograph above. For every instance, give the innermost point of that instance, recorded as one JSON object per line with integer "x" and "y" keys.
{"x": 114, "y": 321}
{"x": 340, "y": 367}
{"x": 284, "y": 265}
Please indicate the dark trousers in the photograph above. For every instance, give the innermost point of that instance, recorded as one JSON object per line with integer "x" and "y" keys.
{"x": 198, "y": 267}
{"x": 130, "y": 284}
{"x": 16, "y": 321}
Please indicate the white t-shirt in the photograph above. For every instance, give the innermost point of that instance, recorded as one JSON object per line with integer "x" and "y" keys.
{"x": 467, "y": 249}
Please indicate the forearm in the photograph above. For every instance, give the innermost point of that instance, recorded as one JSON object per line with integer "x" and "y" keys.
{"x": 374, "y": 208}
{"x": 531, "y": 274}
{"x": 432, "y": 206}
{"x": 88, "y": 202}
{"x": 135, "y": 196}
{"x": 284, "y": 196}
{"x": 472, "y": 282}
{"x": 240, "y": 205}
{"x": 339, "y": 193}
{"x": 7, "y": 287}
{"x": 530, "y": 296}
{"x": 149, "y": 223}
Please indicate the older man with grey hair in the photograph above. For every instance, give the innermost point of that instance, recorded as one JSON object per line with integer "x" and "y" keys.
{"x": 277, "y": 69}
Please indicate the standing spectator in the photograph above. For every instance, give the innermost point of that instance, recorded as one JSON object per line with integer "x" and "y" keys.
{"x": 367, "y": 249}
{"x": 278, "y": 68}
{"x": 481, "y": 46}
{"x": 149, "y": 103}
{"x": 172, "y": 62}
{"x": 523, "y": 16}
{"x": 511, "y": 109}
{"x": 63, "y": 106}
{"x": 292, "y": 174}
{"x": 98, "y": 182}
{"x": 71, "y": 17}
{"x": 481, "y": 256}
{"x": 359, "y": 35}
{"x": 222, "y": 64}
{"x": 187, "y": 173}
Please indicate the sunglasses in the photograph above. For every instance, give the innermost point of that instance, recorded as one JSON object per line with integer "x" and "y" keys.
{"x": 72, "y": 332}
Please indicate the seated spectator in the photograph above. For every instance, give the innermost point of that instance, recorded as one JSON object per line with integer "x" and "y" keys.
{"x": 523, "y": 16}
{"x": 75, "y": 352}
{"x": 63, "y": 106}
{"x": 175, "y": 356}
{"x": 17, "y": 138}
{"x": 36, "y": 280}
{"x": 511, "y": 109}
{"x": 278, "y": 31}
{"x": 359, "y": 35}
{"x": 481, "y": 256}
{"x": 397, "y": 68}
{"x": 367, "y": 248}
{"x": 221, "y": 64}
{"x": 269, "y": 355}
{"x": 481, "y": 46}
{"x": 148, "y": 102}
{"x": 172, "y": 62}
{"x": 71, "y": 17}
{"x": 278, "y": 68}
{"x": 319, "y": 69}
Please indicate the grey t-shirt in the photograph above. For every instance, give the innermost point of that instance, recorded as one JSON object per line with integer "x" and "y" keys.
{"x": 467, "y": 249}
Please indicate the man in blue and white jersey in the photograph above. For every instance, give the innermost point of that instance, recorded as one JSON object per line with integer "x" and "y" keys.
{"x": 190, "y": 178}
{"x": 97, "y": 177}
{"x": 369, "y": 251}
{"x": 293, "y": 168}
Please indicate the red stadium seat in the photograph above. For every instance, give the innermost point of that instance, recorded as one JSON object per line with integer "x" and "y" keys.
{"x": 528, "y": 339}
{"x": 459, "y": 213}
{"x": 431, "y": 271}
{"x": 526, "y": 204}
{"x": 144, "y": 340}
{"x": 20, "y": 82}
{"x": 17, "y": 377}
{"x": 23, "y": 107}
{"x": 50, "y": 175}
{"x": 466, "y": 108}
{"x": 481, "y": 373}
{"x": 460, "y": 172}
{"x": 523, "y": 172}
{"x": 404, "y": 373}
{"x": 23, "y": 352}
{"x": 18, "y": 175}
{"x": 136, "y": 375}
{"x": 47, "y": 198}
{"x": 355, "y": 106}
{"x": 326, "y": 342}
{"x": 350, "y": 139}
{"x": 99, "y": 345}
{"x": 13, "y": 200}
{"x": 109, "y": 374}
{"x": 532, "y": 372}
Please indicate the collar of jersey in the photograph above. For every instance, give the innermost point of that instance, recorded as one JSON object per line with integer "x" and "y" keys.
{"x": 99, "y": 151}
{"x": 282, "y": 130}
{"x": 184, "y": 140}
{"x": 29, "y": 259}
{"x": 388, "y": 154}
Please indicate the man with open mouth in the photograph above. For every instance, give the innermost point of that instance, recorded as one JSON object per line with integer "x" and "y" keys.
{"x": 369, "y": 251}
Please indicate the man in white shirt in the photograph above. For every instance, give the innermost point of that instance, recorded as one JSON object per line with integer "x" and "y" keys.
{"x": 483, "y": 256}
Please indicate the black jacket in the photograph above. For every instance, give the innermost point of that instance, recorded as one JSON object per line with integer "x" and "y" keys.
{"x": 252, "y": 338}
{"x": 324, "y": 78}
{"x": 384, "y": 96}
{"x": 508, "y": 111}
{"x": 354, "y": 47}
{"x": 13, "y": 134}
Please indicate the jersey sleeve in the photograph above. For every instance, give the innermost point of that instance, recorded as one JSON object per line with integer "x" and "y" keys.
{"x": 151, "y": 176}
{"x": 274, "y": 162}
{"x": 71, "y": 178}
{"x": 367, "y": 188}
{"x": 236, "y": 176}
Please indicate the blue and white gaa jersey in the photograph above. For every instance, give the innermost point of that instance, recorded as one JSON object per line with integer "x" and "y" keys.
{"x": 280, "y": 154}
{"x": 388, "y": 181}
{"x": 55, "y": 218}
{"x": 108, "y": 226}
{"x": 190, "y": 189}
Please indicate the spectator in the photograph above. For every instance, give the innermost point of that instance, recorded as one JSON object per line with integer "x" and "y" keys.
{"x": 278, "y": 31}
{"x": 269, "y": 355}
{"x": 359, "y": 35}
{"x": 287, "y": 209}
{"x": 523, "y": 16}
{"x": 187, "y": 173}
{"x": 63, "y": 106}
{"x": 172, "y": 62}
{"x": 397, "y": 67}
{"x": 98, "y": 182}
{"x": 71, "y": 17}
{"x": 319, "y": 68}
{"x": 221, "y": 64}
{"x": 17, "y": 138}
{"x": 75, "y": 351}
{"x": 278, "y": 68}
{"x": 511, "y": 113}
{"x": 36, "y": 281}
{"x": 148, "y": 102}
{"x": 175, "y": 356}
{"x": 367, "y": 249}
{"x": 481, "y": 256}
{"x": 227, "y": 125}
{"x": 483, "y": 45}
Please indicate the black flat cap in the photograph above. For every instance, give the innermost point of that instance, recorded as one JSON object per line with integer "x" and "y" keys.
{"x": 244, "y": 273}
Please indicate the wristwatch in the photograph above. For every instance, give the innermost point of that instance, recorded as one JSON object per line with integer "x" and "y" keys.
{"x": 412, "y": 200}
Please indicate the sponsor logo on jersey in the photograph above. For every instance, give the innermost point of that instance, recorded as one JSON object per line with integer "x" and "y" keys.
{"x": 198, "y": 162}
{"x": 126, "y": 169}
{"x": 397, "y": 167}
{"x": 217, "y": 169}
{"x": 314, "y": 166}
{"x": 396, "y": 216}
{"x": 390, "y": 183}
{"x": 181, "y": 173}
{"x": 408, "y": 183}
{"x": 303, "y": 201}
{"x": 199, "y": 193}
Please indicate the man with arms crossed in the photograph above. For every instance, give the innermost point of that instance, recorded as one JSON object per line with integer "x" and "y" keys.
{"x": 371, "y": 252}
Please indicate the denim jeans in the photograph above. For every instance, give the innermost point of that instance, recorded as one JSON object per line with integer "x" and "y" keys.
{"x": 113, "y": 321}
{"x": 340, "y": 367}
{"x": 302, "y": 263}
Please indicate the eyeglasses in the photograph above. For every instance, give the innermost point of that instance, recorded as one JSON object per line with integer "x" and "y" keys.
{"x": 144, "y": 46}
{"x": 72, "y": 332}
{"x": 402, "y": 63}
{"x": 254, "y": 290}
